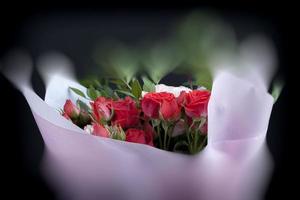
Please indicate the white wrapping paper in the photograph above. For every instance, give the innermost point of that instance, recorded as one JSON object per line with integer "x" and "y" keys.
{"x": 234, "y": 165}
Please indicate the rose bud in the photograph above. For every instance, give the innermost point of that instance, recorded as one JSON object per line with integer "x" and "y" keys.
{"x": 194, "y": 103}
{"x": 116, "y": 132}
{"x": 97, "y": 129}
{"x": 126, "y": 114}
{"x": 100, "y": 130}
{"x": 83, "y": 119}
{"x": 71, "y": 110}
{"x": 66, "y": 116}
{"x": 160, "y": 105}
{"x": 102, "y": 109}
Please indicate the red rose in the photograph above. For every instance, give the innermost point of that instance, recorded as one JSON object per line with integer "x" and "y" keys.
{"x": 66, "y": 116}
{"x": 77, "y": 116}
{"x": 195, "y": 103}
{"x": 101, "y": 108}
{"x": 126, "y": 114}
{"x": 70, "y": 110}
{"x": 136, "y": 136}
{"x": 160, "y": 104}
{"x": 99, "y": 130}
{"x": 139, "y": 136}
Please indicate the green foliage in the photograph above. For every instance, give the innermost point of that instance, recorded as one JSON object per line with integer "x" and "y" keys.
{"x": 125, "y": 93}
{"x": 276, "y": 90}
{"x": 82, "y": 106}
{"x": 93, "y": 93}
{"x": 77, "y": 91}
{"x": 117, "y": 60}
{"x": 202, "y": 36}
{"x": 136, "y": 88}
{"x": 161, "y": 59}
{"x": 204, "y": 78}
{"x": 148, "y": 86}
{"x": 91, "y": 81}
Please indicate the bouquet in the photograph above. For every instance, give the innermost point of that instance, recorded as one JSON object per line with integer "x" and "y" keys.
{"x": 167, "y": 117}
{"x": 113, "y": 138}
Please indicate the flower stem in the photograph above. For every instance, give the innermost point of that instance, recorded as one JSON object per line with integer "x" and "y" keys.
{"x": 169, "y": 138}
{"x": 165, "y": 137}
{"x": 191, "y": 126}
{"x": 188, "y": 138}
{"x": 202, "y": 144}
{"x": 195, "y": 142}
{"x": 159, "y": 136}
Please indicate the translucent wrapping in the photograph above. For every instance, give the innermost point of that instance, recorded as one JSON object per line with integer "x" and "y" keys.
{"x": 234, "y": 165}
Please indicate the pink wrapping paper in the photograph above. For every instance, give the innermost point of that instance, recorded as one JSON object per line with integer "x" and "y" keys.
{"x": 234, "y": 165}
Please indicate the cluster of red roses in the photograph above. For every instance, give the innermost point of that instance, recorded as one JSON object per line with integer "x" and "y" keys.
{"x": 138, "y": 121}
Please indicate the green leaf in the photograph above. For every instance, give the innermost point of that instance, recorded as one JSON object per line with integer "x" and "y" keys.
{"x": 136, "y": 88}
{"x": 90, "y": 82}
{"x": 204, "y": 78}
{"x": 121, "y": 84}
{"x": 117, "y": 81}
{"x": 115, "y": 95}
{"x": 77, "y": 91}
{"x": 148, "y": 86}
{"x": 82, "y": 106}
{"x": 160, "y": 59}
{"x": 276, "y": 90}
{"x": 108, "y": 91}
{"x": 125, "y": 93}
{"x": 93, "y": 93}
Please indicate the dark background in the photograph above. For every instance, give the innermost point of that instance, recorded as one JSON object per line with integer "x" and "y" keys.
{"x": 38, "y": 29}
